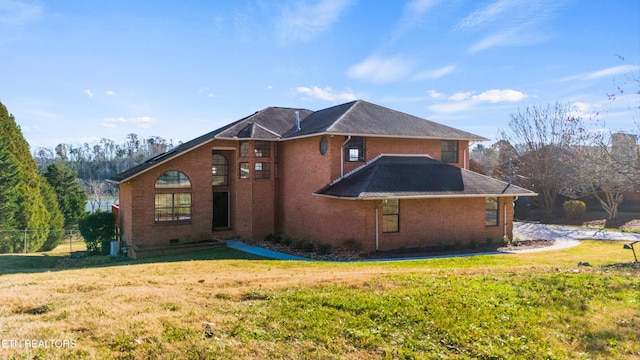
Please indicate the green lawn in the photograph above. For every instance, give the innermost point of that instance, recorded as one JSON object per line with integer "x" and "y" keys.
{"x": 217, "y": 305}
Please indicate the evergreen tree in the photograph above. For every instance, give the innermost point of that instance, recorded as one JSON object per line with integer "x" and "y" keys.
{"x": 56, "y": 217}
{"x": 72, "y": 199}
{"x": 20, "y": 199}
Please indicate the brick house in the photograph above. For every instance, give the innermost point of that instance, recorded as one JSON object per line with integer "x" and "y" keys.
{"x": 356, "y": 172}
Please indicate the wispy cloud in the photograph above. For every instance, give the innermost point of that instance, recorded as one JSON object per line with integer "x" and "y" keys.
{"x": 110, "y": 93}
{"x": 89, "y": 93}
{"x": 510, "y": 23}
{"x": 305, "y": 21}
{"x": 436, "y": 73}
{"x": 18, "y": 13}
{"x": 609, "y": 72}
{"x": 142, "y": 122}
{"x": 381, "y": 70}
{"x": 463, "y": 101}
{"x": 327, "y": 94}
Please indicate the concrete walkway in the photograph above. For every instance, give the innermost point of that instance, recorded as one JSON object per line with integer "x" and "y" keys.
{"x": 565, "y": 236}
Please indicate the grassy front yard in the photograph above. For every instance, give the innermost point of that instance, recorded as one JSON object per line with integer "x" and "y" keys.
{"x": 538, "y": 305}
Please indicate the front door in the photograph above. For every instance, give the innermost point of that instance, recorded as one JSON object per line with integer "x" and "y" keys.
{"x": 220, "y": 210}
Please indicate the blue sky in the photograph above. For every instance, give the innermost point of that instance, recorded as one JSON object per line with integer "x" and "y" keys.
{"x": 76, "y": 71}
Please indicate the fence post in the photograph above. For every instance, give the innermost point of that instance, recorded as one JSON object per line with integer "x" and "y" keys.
{"x": 25, "y": 241}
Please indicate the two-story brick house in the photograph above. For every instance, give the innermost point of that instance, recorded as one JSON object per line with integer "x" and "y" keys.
{"x": 355, "y": 172}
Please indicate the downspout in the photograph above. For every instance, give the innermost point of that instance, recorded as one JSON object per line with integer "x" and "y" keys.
{"x": 378, "y": 225}
{"x": 342, "y": 155}
{"x": 504, "y": 218}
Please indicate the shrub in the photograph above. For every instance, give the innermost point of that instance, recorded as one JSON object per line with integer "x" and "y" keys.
{"x": 97, "y": 227}
{"x": 304, "y": 245}
{"x": 574, "y": 209}
{"x": 352, "y": 244}
{"x": 323, "y": 249}
{"x": 473, "y": 244}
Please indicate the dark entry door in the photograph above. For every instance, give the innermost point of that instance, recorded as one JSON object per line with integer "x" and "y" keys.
{"x": 220, "y": 210}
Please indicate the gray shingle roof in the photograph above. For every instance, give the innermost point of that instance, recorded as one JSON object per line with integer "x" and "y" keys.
{"x": 364, "y": 118}
{"x": 279, "y": 123}
{"x": 416, "y": 176}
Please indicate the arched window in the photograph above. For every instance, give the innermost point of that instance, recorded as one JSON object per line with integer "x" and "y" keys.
{"x": 172, "y": 206}
{"x": 220, "y": 170}
{"x": 173, "y": 179}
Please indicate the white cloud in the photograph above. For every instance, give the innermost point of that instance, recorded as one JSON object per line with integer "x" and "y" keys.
{"x": 435, "y": 95}
{"x": 113, "y": 122}
{"x": 327, "y": 94}
{"x": 496, "y": 96}
{"x": 306, "y": 21}
{"x": 381, "y": 70}
{"x": 460, "y": 96}
{"x": 142, "y": 122}
{"x": 110, "y": 93}
{"x": 435, "y": 74}
{"x": 463, "y": 101}
{"x": 89, "y": 93}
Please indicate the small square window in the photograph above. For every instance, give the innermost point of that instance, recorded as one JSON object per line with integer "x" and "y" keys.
{"x": 244, "y": 170}
{"x": 449, "y": 151}
{"x": 354, "y": 149}
{"x": 262, "y": 149}
{"x": 263, "y": 170}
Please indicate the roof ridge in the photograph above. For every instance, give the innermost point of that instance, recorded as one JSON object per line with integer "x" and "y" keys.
{"x": 329, "y": 128}
{"x": 264, "y": 128}
{"x": 356, "y": 169}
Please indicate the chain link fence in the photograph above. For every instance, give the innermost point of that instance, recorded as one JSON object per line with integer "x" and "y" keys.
{"x": 26, "y": 241}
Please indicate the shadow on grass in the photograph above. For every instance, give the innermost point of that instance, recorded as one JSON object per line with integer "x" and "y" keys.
{"x": 44, "y": 262}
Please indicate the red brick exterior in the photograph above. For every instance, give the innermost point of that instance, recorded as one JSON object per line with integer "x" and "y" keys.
{"x": 285, "y": 202}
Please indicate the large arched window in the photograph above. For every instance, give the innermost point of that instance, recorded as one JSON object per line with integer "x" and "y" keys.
{"x": 220, "y": 170}
{"x": 173, "y": 179}
{"x": 172, "y": 202}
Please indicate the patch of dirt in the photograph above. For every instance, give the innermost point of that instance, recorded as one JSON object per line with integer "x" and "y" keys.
{"x": 527, "y": 244}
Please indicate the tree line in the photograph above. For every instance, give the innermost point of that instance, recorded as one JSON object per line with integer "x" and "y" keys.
{"x": 46, "y": 192}
{"x": 549, "y": 149}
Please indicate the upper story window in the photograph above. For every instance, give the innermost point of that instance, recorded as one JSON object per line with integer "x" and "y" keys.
{"x": 324, "y": 145}
{"x": 244, "y": 170}
{"x": 219, "y": 170}
{"x": 172, "y": 179}
{"x": 354, "y": 149}
{"x": 449, "y": 151}
{"x": 262, "y": 149}
{"x": 244, "y": 149}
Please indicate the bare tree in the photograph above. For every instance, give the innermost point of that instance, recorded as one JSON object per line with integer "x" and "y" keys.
{"x": 541, "y": 139}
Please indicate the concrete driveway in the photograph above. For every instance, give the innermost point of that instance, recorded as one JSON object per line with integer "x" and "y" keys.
{"x": 566, "y": 236}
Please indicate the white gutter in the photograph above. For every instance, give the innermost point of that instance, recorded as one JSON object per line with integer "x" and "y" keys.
{"x": 342, "y": 156}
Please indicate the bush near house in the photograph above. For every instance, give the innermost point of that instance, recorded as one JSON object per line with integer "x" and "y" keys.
{"x": 574, "y": 209}
{"x": 97, "y": 227}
